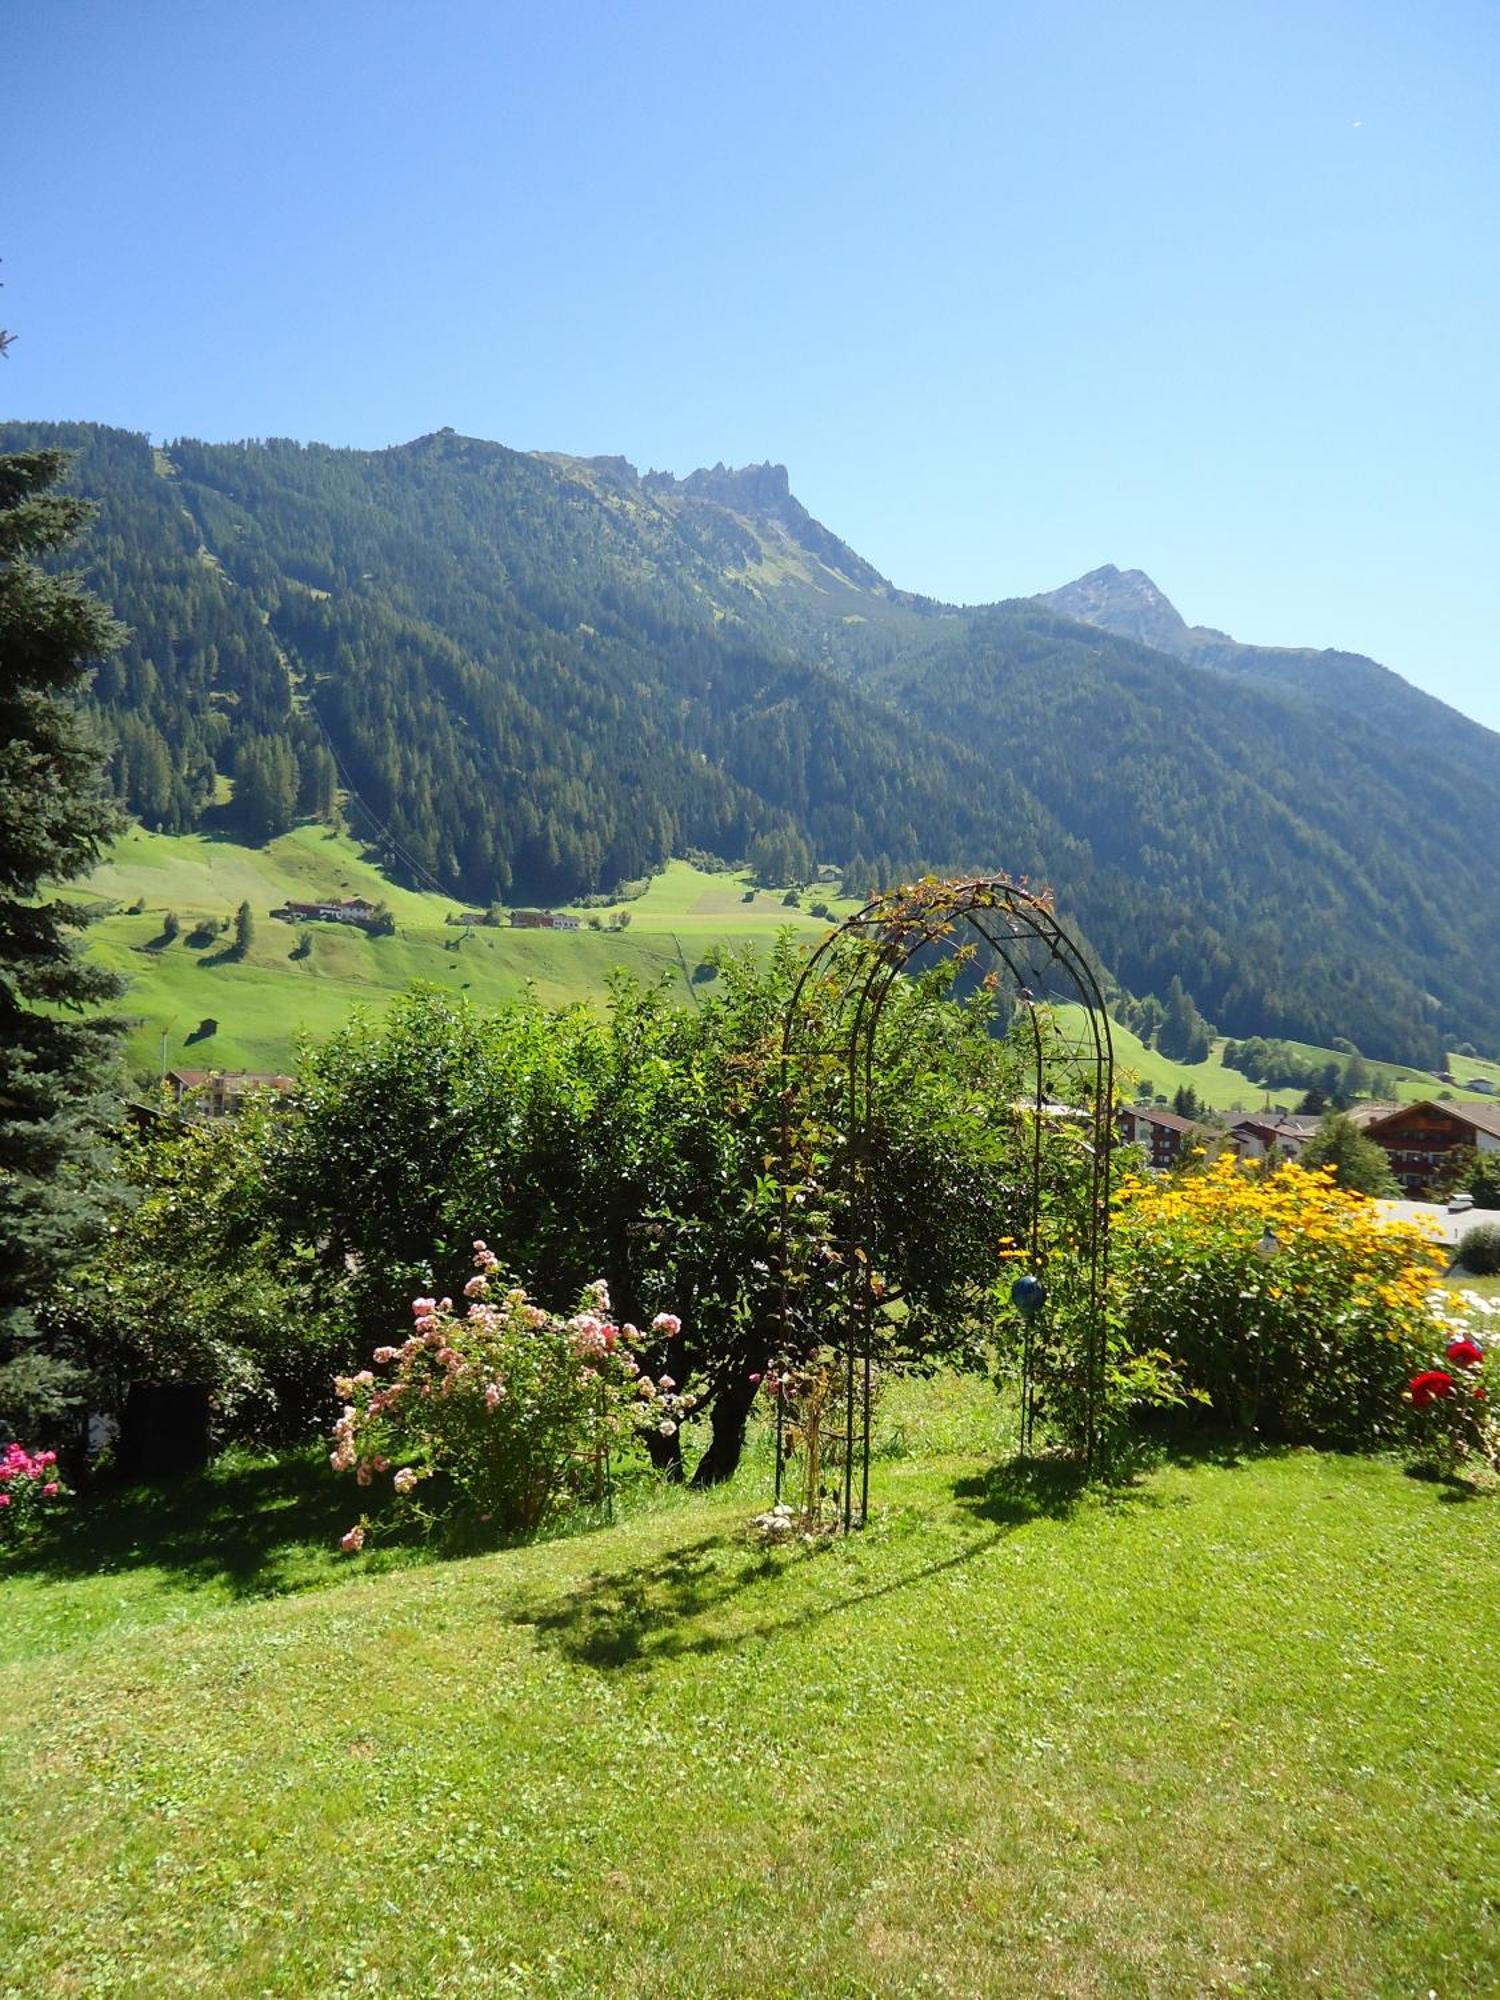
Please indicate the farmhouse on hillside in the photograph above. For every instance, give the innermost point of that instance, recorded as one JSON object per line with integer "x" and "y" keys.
{"x": 542, "y": 920}
{"x": 215, "y": 1093}
{"x": 351, "y": 910}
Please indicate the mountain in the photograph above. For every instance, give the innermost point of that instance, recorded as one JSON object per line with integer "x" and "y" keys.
{"x": 536, "y": 676}
{"x": 1127, "y": 603}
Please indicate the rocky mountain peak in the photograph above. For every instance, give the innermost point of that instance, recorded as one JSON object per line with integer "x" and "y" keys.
{"x": 749, "y": 489}
{"x": 1125, "y": 602}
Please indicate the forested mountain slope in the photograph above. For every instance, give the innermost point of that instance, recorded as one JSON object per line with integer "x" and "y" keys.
{"x": 1305, "y": 874}
{"x": 542, "y": 675}
{"x": 1128, "y": 603}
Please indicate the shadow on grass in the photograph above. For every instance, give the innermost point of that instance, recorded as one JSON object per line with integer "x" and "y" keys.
{"x": 645, "y": 1617}
{"x": 1453, "y": 1489}
{"x": 1022, "y": 1490}
{"x": 1029, "y": 1489}
{"x": 254, "y": 1529}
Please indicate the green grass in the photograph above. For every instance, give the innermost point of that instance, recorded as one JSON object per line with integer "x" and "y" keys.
{"x": 1219, "y": 1088}
{"x": 1229, "y": 1731}
{"x": 265, "y": 1002}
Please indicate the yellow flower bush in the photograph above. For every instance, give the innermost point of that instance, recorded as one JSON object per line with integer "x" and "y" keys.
{"x": 1284, "y": 1301}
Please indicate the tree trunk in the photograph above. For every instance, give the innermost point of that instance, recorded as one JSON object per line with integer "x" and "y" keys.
{"x": 727, "y": 1420}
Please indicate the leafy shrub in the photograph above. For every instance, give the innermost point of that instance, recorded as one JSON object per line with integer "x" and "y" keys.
{"x": 1316, "y": 1339}
{"x": 1479, "y": 1249}
{"x": 193, "y": 1284}
{"x": 511, "y": 1409}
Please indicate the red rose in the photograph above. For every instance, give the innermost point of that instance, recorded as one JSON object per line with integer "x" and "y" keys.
{"x": 1465, "y": 1353}
{"x": 1427, "y": 1387}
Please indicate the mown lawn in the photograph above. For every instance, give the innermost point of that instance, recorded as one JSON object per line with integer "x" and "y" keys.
{"x": 1232, "y": 1730}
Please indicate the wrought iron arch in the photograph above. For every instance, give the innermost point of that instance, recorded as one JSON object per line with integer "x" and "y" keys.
{"x": 1020, "y": 930}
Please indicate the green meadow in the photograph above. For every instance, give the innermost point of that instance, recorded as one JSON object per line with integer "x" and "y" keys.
{"x": 262, "y": 1003}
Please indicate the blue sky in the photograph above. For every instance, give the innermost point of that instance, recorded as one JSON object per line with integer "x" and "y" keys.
{"x": 1013, "y": 289}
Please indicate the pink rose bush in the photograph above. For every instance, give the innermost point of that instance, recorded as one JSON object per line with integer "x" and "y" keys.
{"x": 29, "y": 1489}
{"x": 500, "y": 1411}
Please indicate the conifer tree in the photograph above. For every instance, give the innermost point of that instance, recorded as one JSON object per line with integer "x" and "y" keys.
{"x": 58, "y": 1055}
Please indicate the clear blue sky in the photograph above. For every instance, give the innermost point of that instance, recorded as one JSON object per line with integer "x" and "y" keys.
{"x": 1210, "y": 289}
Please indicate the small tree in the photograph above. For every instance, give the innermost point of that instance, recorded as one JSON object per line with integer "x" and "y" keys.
{"x": 1358, "y": 1163}
{"x": 244, "y": 930}
{"x": 171, "y": 926}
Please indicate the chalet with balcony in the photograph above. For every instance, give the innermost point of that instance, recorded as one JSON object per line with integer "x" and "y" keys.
{"x": 1420, "y": 1137}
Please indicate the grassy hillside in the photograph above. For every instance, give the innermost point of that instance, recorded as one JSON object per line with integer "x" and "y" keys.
{"x": 261, "y": 1004}
{"x": 1220, "y": 1733}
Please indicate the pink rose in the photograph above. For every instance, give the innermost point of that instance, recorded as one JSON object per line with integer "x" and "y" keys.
{"x": 354, "y": 1541}
{"x": 667, "y": 1323}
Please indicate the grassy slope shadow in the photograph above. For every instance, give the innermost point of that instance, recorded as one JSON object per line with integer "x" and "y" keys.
{"x": 245, "y": 1529}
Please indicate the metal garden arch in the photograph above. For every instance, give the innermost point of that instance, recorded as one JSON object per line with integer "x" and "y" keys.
{"x": 1046, "y": 964}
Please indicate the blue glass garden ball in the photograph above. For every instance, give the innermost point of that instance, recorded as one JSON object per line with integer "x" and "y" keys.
{"x": 1028, "y": 1295}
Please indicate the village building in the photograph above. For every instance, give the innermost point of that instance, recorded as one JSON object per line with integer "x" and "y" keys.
{"x": 1165, "y": 1135}
{"x": 542, "y": 920}
{"x": 1419, "y": 1138}
{"x": 349, "y": 910}
{"x": 215, "y": 1093}
{"x": 1264, "y": 1134}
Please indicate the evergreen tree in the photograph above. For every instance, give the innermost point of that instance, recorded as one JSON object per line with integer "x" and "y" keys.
{"x": 58, "y": 1056}
{"x": 265, "y": 786}
{"x": 1184, "y": 1035}
{"x": 244, "y": 930}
